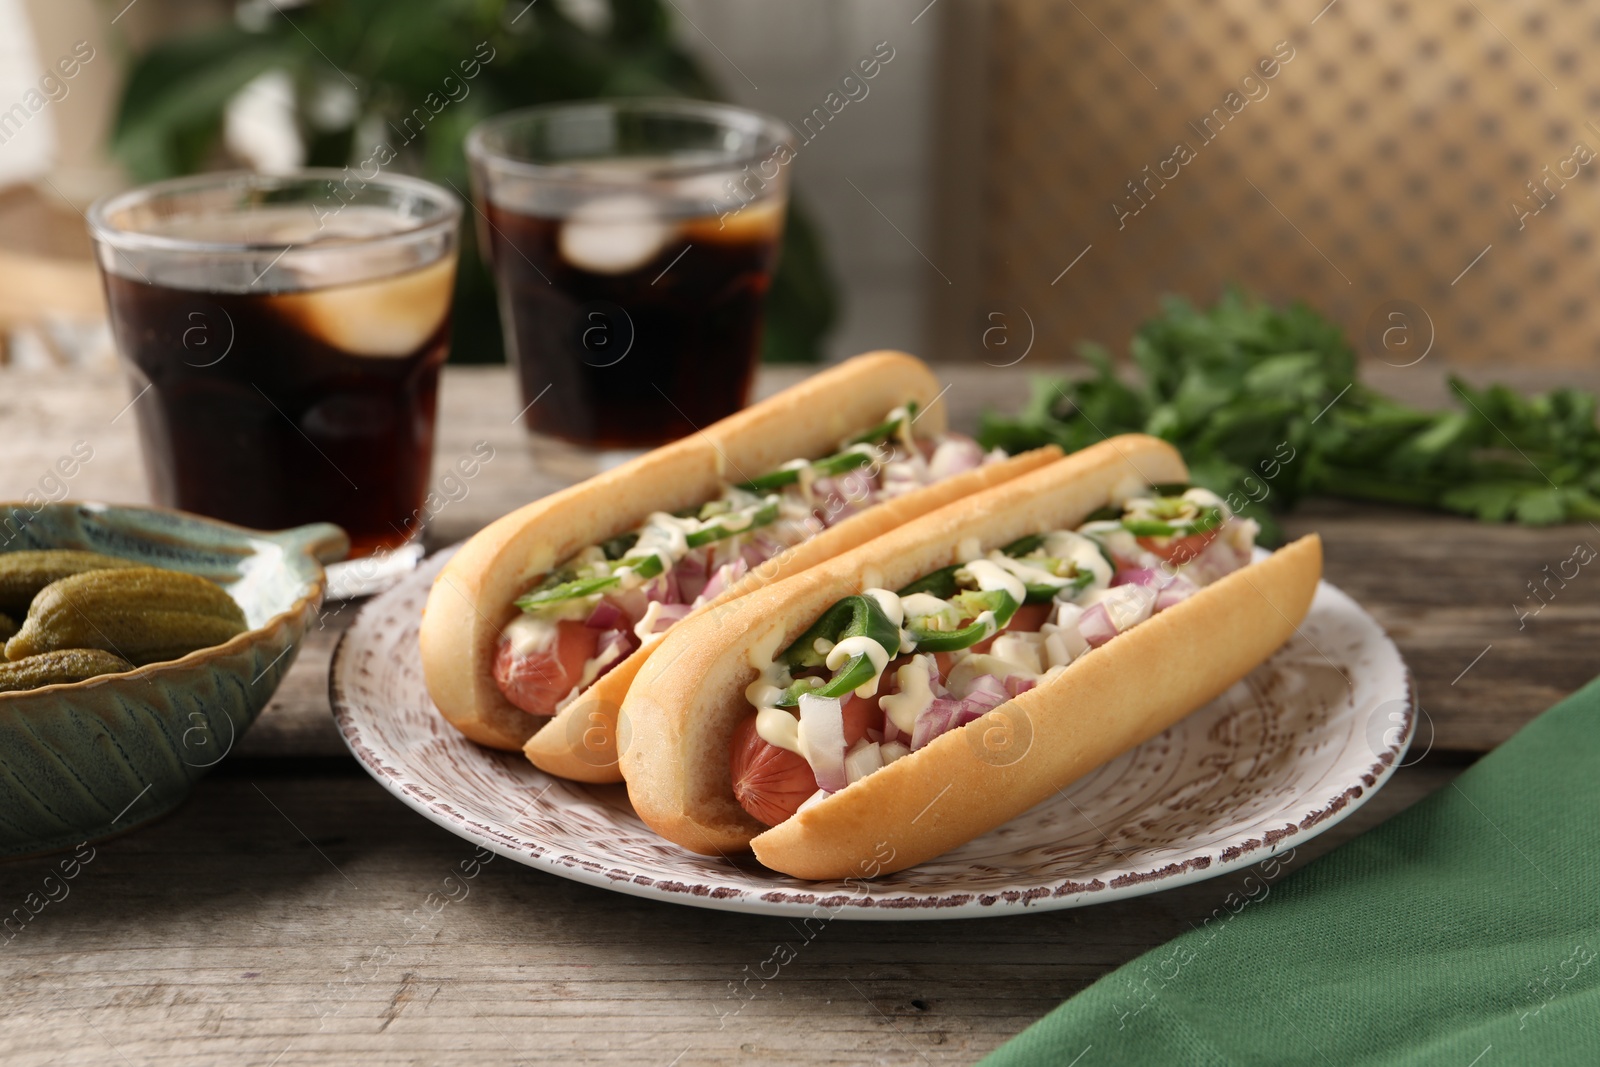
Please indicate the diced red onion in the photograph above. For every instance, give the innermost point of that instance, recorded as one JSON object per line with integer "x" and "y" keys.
{"x": 1171, "y": 586}
{"x": 1096, "y": 626}
{"x": 605, "y": 616}
{"x": 691, "y": 572}
{"x": 632, "y": 603}
{"x": 987, "y": 691}
{"x": 891, "y": 732}
{"x": 764, "y": 547}
{"x": 669, "y": 614}
{"x": 834, "y": 501}
{"x": 1016, "y": 685}
{"x": 892, "y": 750}
{"x": 725, "y": 576}
{"x": 1147, "y": 576}
{"x": 664, "y": 588}
{"x": 954, "y": 455}
{"x": 1176, "y": 591}
{"x": 862, "y": 761}
{"x": 934, "y": 720}
{"x": 623, "y": 639}
{"x": 1129, "y": 605}
{"x": 1220, "y": 559}
{"x": 822, "y": 739}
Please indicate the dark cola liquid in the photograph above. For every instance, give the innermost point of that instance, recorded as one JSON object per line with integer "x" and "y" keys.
{"x": 258, "y": 412}
{"x": 638, "y": 356}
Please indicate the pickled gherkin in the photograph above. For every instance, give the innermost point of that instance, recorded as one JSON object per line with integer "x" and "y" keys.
{"x": 54, "y": 668}
{"x": 23, "y": 574}
{"x": 143, "y": 614}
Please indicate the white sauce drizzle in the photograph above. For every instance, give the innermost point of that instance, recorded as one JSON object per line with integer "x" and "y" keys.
{"x": 1082, "y": 552}
{"x": 1027, "y": 573}
{"x": 529, "y": 634}
{"x": 890, "y": 603}
{"x": 663, "y": 535}
{"x": 921, "y": 605}
{"x": 780, "y": 728}
{"x": 644, "y": 629}
{"x": 862, "y": 645}
{"x": 991, "y": 576}
{"x": 914, "y": 698}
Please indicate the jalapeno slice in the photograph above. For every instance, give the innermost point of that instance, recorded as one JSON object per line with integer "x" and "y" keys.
{"x": 643, "y": 566}
{"x": 854, "y": 616}
{"x": 941, "y": 583}
{"x": 1209, "y": 518}
{"x": 973, "y": 605}
{"x": 850, "y": 458}
{"x": 732, "y": 524}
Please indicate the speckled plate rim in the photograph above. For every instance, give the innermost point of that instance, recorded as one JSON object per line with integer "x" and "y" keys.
{"x": 1219, "y": 857}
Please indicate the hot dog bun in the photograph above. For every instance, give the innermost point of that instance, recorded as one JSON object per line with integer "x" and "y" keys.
{"x": 964, "y": 784}
{"x": 690, "y": 698}
{"x": 471, "y": 600}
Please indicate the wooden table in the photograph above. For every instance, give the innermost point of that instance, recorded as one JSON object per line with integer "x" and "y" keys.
{"x": 274, "y": 919}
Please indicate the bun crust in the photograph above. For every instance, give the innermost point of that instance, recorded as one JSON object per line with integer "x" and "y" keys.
{"x": 471, "y": 600}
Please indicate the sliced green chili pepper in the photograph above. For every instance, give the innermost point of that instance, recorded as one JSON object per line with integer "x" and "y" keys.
{"x": 974, "y": 604}
{"x": 1040, "y": 593}
{"x": 1209, "y": 519}
{"x": 764, "y": 515}
{"x": 1023, "y": 545}
{"x": 1109, "y": 513}
{"x": 839, "y": 462}
{"x": 885, "y": 429}
{"x": 644, "y": 566}
{"x": 826, "y": 467}
{"x": 618, "y": 546}
{"x": 854, "y": 616}
{"x": 941, "y": 583}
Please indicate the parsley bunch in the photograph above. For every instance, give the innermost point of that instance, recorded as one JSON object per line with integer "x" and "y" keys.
{"x": 1265, "y": 404}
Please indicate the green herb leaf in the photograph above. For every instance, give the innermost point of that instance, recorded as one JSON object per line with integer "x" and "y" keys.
{"x": 1264, "y": 404}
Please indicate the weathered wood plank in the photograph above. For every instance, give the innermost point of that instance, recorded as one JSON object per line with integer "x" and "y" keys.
{"x": 233, "y": 932}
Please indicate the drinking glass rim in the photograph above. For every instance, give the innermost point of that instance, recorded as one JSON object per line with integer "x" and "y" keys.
{"x": 779, "y": 134}
{"x": 102, "y": 229}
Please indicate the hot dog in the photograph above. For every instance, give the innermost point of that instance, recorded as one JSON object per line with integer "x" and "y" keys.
{"x": 920, "y": 690}
{"x": 536, "y": 628}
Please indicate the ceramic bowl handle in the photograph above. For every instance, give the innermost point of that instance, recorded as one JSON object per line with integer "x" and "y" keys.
{"x": 323, "y": 541}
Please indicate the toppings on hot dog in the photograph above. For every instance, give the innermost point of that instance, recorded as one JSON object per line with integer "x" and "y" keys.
{"x": 882, "y": 674}
{"x": 627, "y": 591}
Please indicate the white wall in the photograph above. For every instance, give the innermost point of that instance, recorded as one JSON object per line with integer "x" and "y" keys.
{"x": 792, "y": 54}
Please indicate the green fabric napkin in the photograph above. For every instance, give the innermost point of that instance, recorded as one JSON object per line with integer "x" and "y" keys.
{"x": 1465, "y": 931}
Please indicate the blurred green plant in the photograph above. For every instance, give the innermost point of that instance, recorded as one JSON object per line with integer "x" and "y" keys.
{"x": 358, "y": 66}
{"x": 1239, "y": 386}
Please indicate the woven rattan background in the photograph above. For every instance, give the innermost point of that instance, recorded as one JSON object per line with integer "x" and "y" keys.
{"x": 1379, "y": 162}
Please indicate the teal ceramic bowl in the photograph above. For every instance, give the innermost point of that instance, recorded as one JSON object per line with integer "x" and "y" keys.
{"x": 90, "y": 759}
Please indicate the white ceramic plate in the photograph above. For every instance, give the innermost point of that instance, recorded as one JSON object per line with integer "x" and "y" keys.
{"x": 1293, "y": 748}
